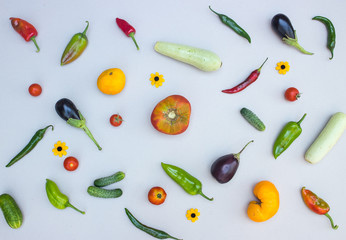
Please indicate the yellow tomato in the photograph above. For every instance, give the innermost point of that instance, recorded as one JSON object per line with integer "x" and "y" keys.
{"x": 268, "y": 203}
{"x": 111, "y": 81}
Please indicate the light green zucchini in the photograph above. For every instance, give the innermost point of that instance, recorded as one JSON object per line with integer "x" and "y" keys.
{"x": 200, "y": 58}
{"x": 327, "y": 138}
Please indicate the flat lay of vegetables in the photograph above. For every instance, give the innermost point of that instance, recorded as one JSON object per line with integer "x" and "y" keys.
{"x": 154, "y": 145}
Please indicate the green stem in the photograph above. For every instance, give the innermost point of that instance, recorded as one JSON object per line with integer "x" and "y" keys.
{"x": 300, "y": 121}
{"x": 294, "y": 42}
{"x": 132, "y": 35}
{"x": 86, "y": 28}
{"x": 202, "y": 194}
{"x": 259, "y": 69}
{"x": 331, "y": 221}
{"x": 238, "y": 154}
{"x": 214, "y": 11}
{"x": 71, "y": 206}
{"x": 34, "y": 40}
{"x": 87, "y": 131}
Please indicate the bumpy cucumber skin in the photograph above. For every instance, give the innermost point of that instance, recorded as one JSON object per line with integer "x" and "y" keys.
{"x": 104, "y": 193}
{"x": 11, "y": 211}
{"x": 105, "y": 181}
{"x": 252, "y": 119}
{"x": 200, "y": 58}
{"x": 327, "y": 138}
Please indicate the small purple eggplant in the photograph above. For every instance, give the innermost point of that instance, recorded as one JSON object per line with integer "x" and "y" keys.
{"x": 225, "y": 167}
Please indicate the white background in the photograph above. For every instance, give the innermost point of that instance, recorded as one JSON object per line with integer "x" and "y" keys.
{"x": 216, "y": 126}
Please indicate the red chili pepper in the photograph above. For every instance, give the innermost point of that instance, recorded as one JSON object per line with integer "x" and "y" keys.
{"x": 250, "y": 79}
{"x": 25, "y": 29}
{"x": 317, "y": 205}
{"x": 127, "y": 29}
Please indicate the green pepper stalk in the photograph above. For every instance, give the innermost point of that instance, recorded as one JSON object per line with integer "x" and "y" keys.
{"x": 288, "y": 134}
{"x": 58, "y": 199}
{"x": 75, "y": 47}
{"x": 317, "y": 205}
{"x": 190, "y": 184}
{"x": 30, "y": 146}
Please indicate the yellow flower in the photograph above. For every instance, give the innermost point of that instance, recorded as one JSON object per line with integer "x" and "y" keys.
{"x": 60, "y": 149}
{"x": 192, "y": 214}
{"x": 282, "y": 67}
{"x": 156, "y": 79}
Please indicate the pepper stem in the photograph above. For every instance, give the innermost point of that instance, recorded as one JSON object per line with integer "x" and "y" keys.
{"x": 71, "y": 206}
{"x": 86, "y": 28}
{"x": 202, "y": 194}
{"x": 45, "y": 129}
{"x": 132, "y": 35}
{"x": 214, "y": 11}
{"x": 294, "y": 42}
{"x": 331, "y": 221}
{"x": 300, "y": 121}
{"x": 34, "y": 40}
{"x": 259, "y": 69}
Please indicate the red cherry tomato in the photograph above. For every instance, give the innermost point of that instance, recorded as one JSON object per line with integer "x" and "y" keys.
{"x": 35, "y": 90}
{"x": 116, "y": 120}
{"x": 71, "y": 163}
{"x": 292, "y": 94}
{"x": 157, "y": 195}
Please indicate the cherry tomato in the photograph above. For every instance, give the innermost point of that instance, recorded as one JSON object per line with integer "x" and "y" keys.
{"x": 71, "y": 163}
{"x": 35, "y": 90}
{"x": 157, "y": 195}
{"x": 292, "y": 94}
{"x": 116, "y": 120}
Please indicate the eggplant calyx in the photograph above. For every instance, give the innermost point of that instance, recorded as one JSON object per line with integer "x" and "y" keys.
{"x": 294, "y": 42}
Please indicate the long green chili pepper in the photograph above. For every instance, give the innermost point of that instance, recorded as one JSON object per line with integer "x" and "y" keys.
{"x": 288, "y": 134}
{"x": 58, "y": 199}
{"x": 331, "y": 33}
{"x": 30, "y": 146}
{"x": 190, "y": 184}
{"x": 151, "y": 231}
{"x": 233, "y": 25}
{"x": 75, "y": 47}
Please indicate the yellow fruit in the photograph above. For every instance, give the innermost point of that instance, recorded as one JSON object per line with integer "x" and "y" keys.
{"x": 111, "y": 81}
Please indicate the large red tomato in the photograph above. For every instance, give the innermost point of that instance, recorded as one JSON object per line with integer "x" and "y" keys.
{"x": 171, "y": 115}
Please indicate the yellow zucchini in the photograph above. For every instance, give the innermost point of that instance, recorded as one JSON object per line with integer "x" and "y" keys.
{"x": 200, "y": 58}
{"x": 327, "y": 138}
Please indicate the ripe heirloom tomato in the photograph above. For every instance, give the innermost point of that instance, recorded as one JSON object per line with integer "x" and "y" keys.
{"x": 171, "y": 115}
{"x": 292, "y": 94}
{"x": 116, "y": 120}
{"x": 157, "y": 195}
{"x": 35, "y": 90}
{"x": 71, "y": 163}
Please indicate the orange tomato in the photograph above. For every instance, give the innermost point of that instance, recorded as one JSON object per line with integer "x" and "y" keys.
{"x": 268, "y": 204}
{"x": 111, "y": 81}
{"x": 157, "y": 195}
{"x": 171, "y": 115}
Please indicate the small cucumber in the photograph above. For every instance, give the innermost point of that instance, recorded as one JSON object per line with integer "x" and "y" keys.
{"x": 200, "y": 58}
{"x": 105, "y": 181}
{"x": 11, "y": 211}
{"x": 104, "y": 193}
{"x": 252, "y": 119}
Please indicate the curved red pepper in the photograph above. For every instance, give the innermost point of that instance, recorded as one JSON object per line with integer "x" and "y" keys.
{"x": 317, "y": 205}
{"x": 127, "y": 29}
{"x": 250, "y": 79}
{"x": 25, "y": 29}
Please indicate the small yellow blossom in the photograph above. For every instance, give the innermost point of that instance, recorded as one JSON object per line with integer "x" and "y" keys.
{"x": 156, "y": 79}
{"x": 192, "y": 214}
{"x": 60, "y": 149}
{"x": 282, "y": 67}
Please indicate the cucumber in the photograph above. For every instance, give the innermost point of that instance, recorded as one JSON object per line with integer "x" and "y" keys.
{"x": 200, "y": 58}
{"x": 327, "y": 138}
{"x": 252, "y": 119}
{"x": 105, "y": 181}
{"x": 104, "y": 193}
{"x": 11, "y": 211}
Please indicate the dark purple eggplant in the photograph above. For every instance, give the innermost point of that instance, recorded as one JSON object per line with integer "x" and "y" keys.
{"x": 69, "y": 112}
{"x": 282, "y": 25}
{"x": 225, "y": 167}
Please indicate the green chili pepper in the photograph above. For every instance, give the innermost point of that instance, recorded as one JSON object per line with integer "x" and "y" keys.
{"x": 151, "y": 231}
{"x": 75, "y": 47}
{"x": 233, "y": 25}
{"x": 30, "y": 146}
{"x": 190, "y": 184}
{"x": 331, "y": 33}
{"x": 288, "y": 134}
{"x": 58, "y": 199}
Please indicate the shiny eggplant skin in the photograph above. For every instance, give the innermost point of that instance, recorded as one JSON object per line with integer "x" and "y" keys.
{"x": 66, "y": 109}
{"x": 283, "y": 26}
{"x": 224, "y": 168}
